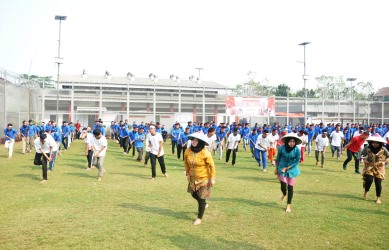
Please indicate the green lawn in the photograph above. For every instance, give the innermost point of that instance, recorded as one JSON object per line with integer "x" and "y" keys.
{"x": 128, "y": 211}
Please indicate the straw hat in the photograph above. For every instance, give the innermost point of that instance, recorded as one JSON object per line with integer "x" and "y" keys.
{"x": 292, "y": 135}
{"x": 376, "y": 137}
{"x": 199, "y": 135}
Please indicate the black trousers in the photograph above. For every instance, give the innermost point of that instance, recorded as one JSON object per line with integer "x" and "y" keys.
{"x": 124, "y": 144}
{"x": 183, "y": 151}
{"x": 89, "y": 158}
{"x": 202, "y": 203}
{"x": 317, "y": 153}
{"x": 174, "y": 143}
{"x": 368, "y": 180}
{"x": 38, "y": 159}
{"x": 147, "y": 157}
{"x": 290, "y": 191}
{"x": 179, "y": 149}
{"x": 350, "y": 155}
{"x": 161, "y": 161}
{"x": 44, "y": 166}
{"x": 65, "y": 142}
{"x": 233, "y": 155}
{"x": 133, "y": 149}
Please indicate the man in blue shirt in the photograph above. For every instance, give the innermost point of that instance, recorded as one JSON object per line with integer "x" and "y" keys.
{"x": 219, "y": 143}
{"x": 65, "y": 134}
{"x": 10, "y": 136}
{"x": 31, "y": 134}
{"x": 175, "y": 136}
{"x": 112, "y": 130}
{"x": 164, "y": 133}
{"x": 123, "y": 136}
{"x": 245, "y": 132}
{"x": 183, "y": 143}
{"x": 158, "y": 128}
{"x": 139, "y": 143}
{"x": 131, "y": 138}
{"x": 253, "y": 139}
{"x": 47, "y": 126}
{"x": 191, "y": 127}
{"x": 311, "y": 133}
{"x": 24, "y": 132}
{"x": 101, "y": 128}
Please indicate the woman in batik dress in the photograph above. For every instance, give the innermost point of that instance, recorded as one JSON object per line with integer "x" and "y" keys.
{"x": 200, "y": 172}
{"x": 375, "y": 156}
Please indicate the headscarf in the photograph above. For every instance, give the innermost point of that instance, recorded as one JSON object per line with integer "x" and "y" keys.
{"x": 287, "y": 147}
{"x": 199, "y": 147}
{"x": 373, "y": 149}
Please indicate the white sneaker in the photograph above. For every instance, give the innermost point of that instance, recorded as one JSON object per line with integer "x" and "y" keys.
{"x": 264, "y": 170}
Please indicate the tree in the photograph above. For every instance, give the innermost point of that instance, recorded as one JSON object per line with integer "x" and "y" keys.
{"x": 300, "y": 93}
{"x": 282, "y": 90}
{"x": 252, "y": 88}
{"x": 364, "y": 91}
{"x": 330, "y": 87}
{"x": 34, "y": 80}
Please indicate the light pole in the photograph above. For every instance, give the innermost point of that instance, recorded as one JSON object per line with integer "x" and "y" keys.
{"x": 305, "y": 77}
{"x": 199, "y": 69}
{"x": 154, "y": 78}
{"x": 352, "y": 95}
{"x": 58, "y": 58}
{"x": 130, "y": 77}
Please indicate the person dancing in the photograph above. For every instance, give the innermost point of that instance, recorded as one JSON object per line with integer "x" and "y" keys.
{"x": 200, "y": 172}
{"x": 287, "y": 168}
{"x": 375, "y": 158}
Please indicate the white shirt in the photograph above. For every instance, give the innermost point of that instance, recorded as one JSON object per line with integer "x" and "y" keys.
{"x": 336, "y": 138}
{"x": 231, "y": 141}
{"x": 49, "y": 143}
{"x": 321, "y": 143}
{"x": 274, "y": 139}
{"x": 97, "y": 144}
{"x": 210, "y": 140}
{"x": 154, "y": 140}
{"x": 265, "y": 142}
{"x": 38, "y": 145}
{"x": 304, "y": 141}
{"x": 88, "y": 140}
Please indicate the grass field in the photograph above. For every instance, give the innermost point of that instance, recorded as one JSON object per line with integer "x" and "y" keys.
{"x": 128, "y": 211}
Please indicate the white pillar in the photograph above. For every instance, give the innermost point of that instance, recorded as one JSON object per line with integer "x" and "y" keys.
{"x": 101, "y": 102}
{"x": 72, "y": 105}
{"x": 128, "y": 104}
{"x": 383, "y": 113}
{"x": 287, "y": 109}
{"x": 179, "y": 101}
{"x": 154, "y": 105}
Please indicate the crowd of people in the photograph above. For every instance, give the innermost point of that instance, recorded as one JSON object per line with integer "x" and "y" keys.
{"x": 284, "y": 147}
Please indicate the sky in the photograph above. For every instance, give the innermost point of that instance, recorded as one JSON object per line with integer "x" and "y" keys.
{"x": 228, "y": 39}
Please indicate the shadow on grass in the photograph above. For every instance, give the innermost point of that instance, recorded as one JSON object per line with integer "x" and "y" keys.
{"x": 85, "y": 175}
{"x": 141, "y": 176}
{"x": 318, "y": 171}
{"x": 366, "y": 211}
{"x": 32, "y": 176}
{"x": 254, "y": 203}
{"x": 159, "y": 211}
{"x": 195, "y": 242}
{"x": 257, "y": 179}
{"x": 342, "y": 196}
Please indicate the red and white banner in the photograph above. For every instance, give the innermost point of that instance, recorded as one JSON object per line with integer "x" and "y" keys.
{"x": 252, "y": 106}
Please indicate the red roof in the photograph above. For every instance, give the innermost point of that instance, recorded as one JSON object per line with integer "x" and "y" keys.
{"x": 382, "y": 92}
